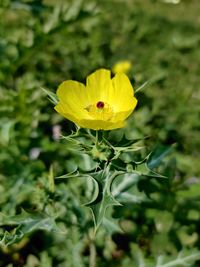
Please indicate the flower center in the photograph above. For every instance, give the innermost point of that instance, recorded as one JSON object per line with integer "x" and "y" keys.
{"x": 100, "y": 111}
{"x": 100, "y": 104}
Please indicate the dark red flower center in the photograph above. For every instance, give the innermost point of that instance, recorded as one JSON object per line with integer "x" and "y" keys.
{"x": 100, "y": 104}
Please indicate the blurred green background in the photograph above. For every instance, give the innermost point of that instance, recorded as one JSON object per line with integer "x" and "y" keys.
{"x": 43, "y": 43}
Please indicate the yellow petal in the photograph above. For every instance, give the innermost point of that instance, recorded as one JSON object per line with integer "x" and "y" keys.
{"x": 68, "y": 115}
{"x": 101, "y": 125}
{"x": 99, "y": 86}
{"x": 80, "y": 104}
{"x": 123, "y": 94}
{"x": 72, "y": 92}
{"x": 73, "y": 98}
{"x": 120, "y": 116}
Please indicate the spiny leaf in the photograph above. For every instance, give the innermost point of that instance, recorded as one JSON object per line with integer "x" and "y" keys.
{"x": 144, "y": 170}
{"x": 111, "y": 224}
{"x": 95, "y": 191}
{"x": 128, "y": 180}
{"x": 105, "y": 198}
{"x": 26, "y": 223}
{"x": 125, "y": 189}
{"x": 76, "y": 174}
{"x": 184, "y": 259}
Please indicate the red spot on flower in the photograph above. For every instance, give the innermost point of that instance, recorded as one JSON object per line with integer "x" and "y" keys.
{"x": 100, "y": 104}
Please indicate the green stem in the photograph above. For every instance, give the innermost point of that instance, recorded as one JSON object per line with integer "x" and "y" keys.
{"x": 92, "y": 248}
{"x": 92, "y": 259}
{"x": 97, "y": 138}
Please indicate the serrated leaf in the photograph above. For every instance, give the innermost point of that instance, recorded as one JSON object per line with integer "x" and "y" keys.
{"x": 95, "y": 191}
{"x": 125, "y": 189}
{"x": 144, "y": 170}
{"x": 184, "y": 259}
{"x": 111, "y": 224}
{"x": 26, "y": 223}
{"x": 124, "y": 183}
{"x": 105, "y": 198}
{"x": 136, "y": 197}
{"x": 101, "y": 198}
{"x": 85, "y": 162}
{"x": 76, "y": 174}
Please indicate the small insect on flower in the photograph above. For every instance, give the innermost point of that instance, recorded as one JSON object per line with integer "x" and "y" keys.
{"x": 122, "y": 66}
{"x": 103, "y": 104}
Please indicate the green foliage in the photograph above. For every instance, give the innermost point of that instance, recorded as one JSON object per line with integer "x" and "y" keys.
{"x": 184, "y": 258}
{"x": 26, "y": 223}
{"x": 151, "y": 167}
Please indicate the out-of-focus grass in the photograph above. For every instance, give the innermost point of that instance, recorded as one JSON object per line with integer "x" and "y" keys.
{"x": 44, "y": 43}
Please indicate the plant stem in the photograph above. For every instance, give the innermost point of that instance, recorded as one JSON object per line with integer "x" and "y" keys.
{"x": 92, "y": 248}
{"x": 92, "y": 259}
{"x": 97, "y": 138}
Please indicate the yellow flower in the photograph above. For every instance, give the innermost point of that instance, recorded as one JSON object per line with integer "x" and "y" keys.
{"x": 104, "y": 103}
{"x": 121, "y": 66}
